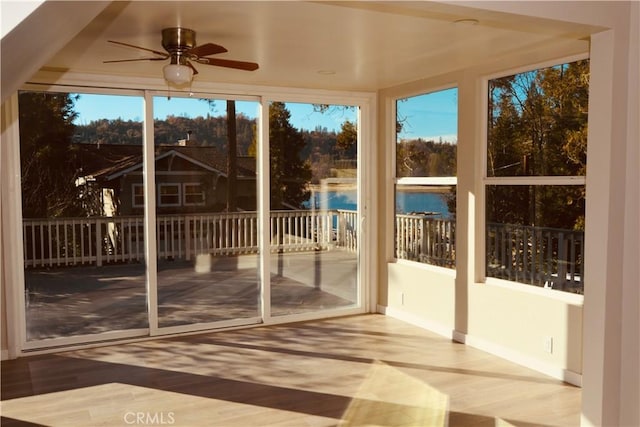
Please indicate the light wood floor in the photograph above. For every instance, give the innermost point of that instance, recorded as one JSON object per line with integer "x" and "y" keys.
{"x": 351, "y": 371}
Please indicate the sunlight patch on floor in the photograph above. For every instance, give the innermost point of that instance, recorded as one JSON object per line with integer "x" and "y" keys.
{"x": 389, "y": 397}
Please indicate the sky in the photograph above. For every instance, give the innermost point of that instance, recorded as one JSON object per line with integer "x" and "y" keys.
{"x": 427, "y": 116}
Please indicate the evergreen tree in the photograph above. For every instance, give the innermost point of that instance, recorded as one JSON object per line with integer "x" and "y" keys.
{"x": 290, "y": 174}
{"x": 48, "y": 158}
{"x": 347, "y": 141}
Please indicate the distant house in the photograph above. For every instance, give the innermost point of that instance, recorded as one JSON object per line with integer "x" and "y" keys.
{"x": 189, "y": 179}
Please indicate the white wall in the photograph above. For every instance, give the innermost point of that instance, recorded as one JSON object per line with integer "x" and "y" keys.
{"x": 630, "y": 349}
{"x": 422, "y": 296}
{"x": 611, "y": 326}
{"x": 9, "y": 217}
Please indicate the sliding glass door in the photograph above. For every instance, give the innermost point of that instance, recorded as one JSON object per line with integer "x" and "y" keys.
{"x": 207, "y": 228}
{"x": 98, "y": 197}
{"x": 314, "y": 208}
{"x": 84, "y": 265}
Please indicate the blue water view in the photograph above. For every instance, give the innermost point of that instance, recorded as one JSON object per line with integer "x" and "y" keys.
{"x": 419, "y": 202}
{"x": 406, "y": 202}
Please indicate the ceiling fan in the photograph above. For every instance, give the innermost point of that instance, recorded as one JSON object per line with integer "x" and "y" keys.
{"x": 181, "y": 48}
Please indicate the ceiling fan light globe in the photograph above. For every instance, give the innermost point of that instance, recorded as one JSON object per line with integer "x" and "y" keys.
{"x": 177, "y": 74}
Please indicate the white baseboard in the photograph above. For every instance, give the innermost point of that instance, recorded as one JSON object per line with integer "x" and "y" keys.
{"x": 412, "y": 319}
{"x": 520, "y": 358}
{"x": 4, "y": 355}
{"x": 487, "y": 346}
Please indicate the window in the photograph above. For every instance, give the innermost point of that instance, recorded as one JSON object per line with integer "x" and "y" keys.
{"x": 535, "y": 185}
{"x": 425, "y": 183}
{"x": 314, "y": 200}
{"x": 169, "y": 195}
{"x": 193, "y": 194}
{"x": 137, "y": 191}
{"x": 78, "y": 159}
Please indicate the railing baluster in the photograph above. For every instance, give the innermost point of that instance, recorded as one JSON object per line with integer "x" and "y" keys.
{"x": 82, "y": 252}
{"x": 42, "y": 258}
{"x": 25, "y": 253}
{"x": 33, "y": 244}
{"x": 188, "y": 236}
{"x": 90, "y": 225}
{"x": 65, "y": 252}
{"x": 99, "y": 248}
{"x": 50, "y": 254}
{"x": 166, "y": 224}
{"x": 245, "y": 227}
{"x": 180, "y": 235}
{"x": 201, "y": 236}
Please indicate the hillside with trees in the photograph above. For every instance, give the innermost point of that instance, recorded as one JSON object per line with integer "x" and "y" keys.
{"x": 420, "y": 158}
{"x": 212, "y": 131}
{"x": 52, "y": 159}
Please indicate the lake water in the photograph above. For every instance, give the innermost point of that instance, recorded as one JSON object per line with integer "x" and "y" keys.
{"x": 406, "y": 202}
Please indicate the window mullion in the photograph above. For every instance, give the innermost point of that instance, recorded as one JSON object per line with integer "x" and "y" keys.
{"x": 535, "y": 180}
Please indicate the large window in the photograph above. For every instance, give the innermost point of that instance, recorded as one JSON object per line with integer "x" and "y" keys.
{"x": 535, "y": 186}
{"x": 426, "y": 145}
{"x": 84, "y": 259}
{"x": 98, "y": 197}
{"x": 207, "y": 237}
{"x": 314, "y": 227}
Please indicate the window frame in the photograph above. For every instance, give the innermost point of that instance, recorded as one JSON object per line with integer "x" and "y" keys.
{"x": 449, "y": 181}
{"x": 135, "y": 195}
{"x": 178, "y": 195}
{"x": 200, "y": 193}
{"x": 533, "y": 180}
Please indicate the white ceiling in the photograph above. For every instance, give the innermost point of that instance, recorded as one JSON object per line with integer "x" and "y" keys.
{"x": 327, "y": 45}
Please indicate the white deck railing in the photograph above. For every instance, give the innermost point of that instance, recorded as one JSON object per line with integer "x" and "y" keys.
{"x": 426, "y": 239}
{"x": 102, "y": 240}
{"x": 539, "y": 256}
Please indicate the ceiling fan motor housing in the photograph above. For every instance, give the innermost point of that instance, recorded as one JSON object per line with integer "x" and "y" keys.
{"x": 178, "y": 40}
{"x": 180, "y": 45}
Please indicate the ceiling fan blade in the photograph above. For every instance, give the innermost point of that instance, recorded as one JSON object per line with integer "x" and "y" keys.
{"x": 192, "y": 67}
{"x": 136, "y": 59}
{"x": 206, "y": 50}
{"x": 157, "y": 52}
{"x": 229, "y": 63}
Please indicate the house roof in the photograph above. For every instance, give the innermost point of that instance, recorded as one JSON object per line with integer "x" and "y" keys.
{"x": 110, "y": 161}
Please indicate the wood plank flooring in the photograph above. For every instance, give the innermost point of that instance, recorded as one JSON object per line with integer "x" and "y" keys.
{"x": 351, "y": 371}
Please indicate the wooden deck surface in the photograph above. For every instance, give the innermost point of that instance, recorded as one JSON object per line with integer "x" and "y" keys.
{"x": 350, "y": 371}
{"x": 89, "y": 300}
